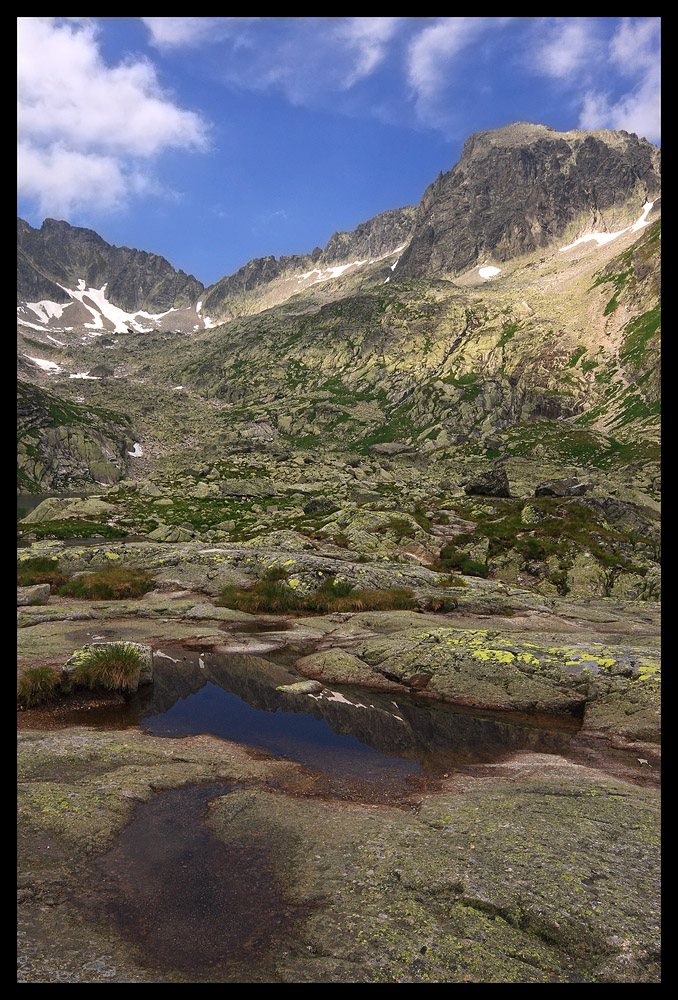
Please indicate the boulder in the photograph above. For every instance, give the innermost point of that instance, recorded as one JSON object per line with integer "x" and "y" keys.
{"x": 301, "y": 687}
{"x": 319, "y": 505}
{"x": 59, "y": 509}
{"x": 391, "y": 448}
{"x": 570, "y": 487}
{"x": 170, "y": 533}
{"x": 39, "y": 594}
{"x": 488, "y": 484}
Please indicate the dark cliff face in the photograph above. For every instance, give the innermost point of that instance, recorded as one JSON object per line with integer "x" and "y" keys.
{"x": 516, "y": 189}
{"x": 371, "y": 239}
{"x": 61, "y": 254}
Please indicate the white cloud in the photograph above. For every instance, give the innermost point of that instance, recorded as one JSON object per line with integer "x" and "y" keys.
{"x": 635, "y": 45}
{"x": 368, "y": 38}
{"x": 635, "y": 51}
{"x": 638, "y": 111}
{"x": 184, "y": 32}
{"x": 306, "y": 58}
{"x": 86, "y": 127}
{"x": 574, "y": 52}
{"x": 431, "y": 63}
{"x": 568, "y": 46}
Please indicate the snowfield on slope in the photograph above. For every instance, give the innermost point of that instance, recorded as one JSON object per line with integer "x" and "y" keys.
{"x": 603, "y": 238}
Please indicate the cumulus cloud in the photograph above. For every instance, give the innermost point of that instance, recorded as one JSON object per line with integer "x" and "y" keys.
{"x": 634, "y": 51}
{"x": 638, "y": 111}
{"x": 575, "y": 52}
{"x": 568, "y": 47}
{"x": 635, "y": 45}
{"x": 87, "y": 130}
{"x": 186, "y": 32}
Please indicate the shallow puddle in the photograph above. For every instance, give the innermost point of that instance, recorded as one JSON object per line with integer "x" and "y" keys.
{"x": 368, "y": 744}
{"x": 185, "y": 900}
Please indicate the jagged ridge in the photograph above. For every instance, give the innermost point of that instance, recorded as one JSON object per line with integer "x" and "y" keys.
{"x": 59, "y": 254}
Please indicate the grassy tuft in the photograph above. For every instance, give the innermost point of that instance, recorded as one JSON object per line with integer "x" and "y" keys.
{"x": 273, "y": 596}
{"x": 109, "y": 584}
{"x": 112, "y": 668}
{"x": 37, "y": 685}
{"x": 68, "y": 528}
{"x": 450, "y": 559}
{"x": 452, "y": 581}
{"x": 275, "y": 573}
{"x": 40, "y": 570}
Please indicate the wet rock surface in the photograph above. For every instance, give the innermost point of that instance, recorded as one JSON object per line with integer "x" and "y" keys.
{"x": 536, "y": 871}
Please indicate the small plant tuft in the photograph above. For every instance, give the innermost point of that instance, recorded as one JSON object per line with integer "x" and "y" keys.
{"x": 111, "y": 668}
{"x": 112, "y": 583}
{"x": 273, "y": 596}
{"x": 40, "y": 570}
{"x": 36, "y": 686}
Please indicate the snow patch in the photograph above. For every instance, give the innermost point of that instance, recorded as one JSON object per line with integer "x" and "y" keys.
{"x": 100, "y": 308}
{"x": 48, "y": 366}
{"x": 35, "y": 326}
{"x": 338, "y": 269}
{"x": 46, "y": 310}
{"x": 95, "y": 378}
{"x": 138, "y": 450}
{"x": 603, "y": 238}
{"x": 489, "y": 272}
{"x": 303, "y": 277}
{"x": 642, "y": 220}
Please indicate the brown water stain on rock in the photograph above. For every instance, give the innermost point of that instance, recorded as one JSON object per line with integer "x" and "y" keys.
{"x": 183, "y": 899}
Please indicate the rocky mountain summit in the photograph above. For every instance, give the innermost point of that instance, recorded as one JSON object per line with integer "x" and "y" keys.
{"x": 517, "y": 189}
{"x": 58, "y": 256}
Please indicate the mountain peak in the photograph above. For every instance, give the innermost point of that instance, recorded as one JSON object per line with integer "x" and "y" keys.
{"x": 518, "y": 188}
{"x": 58, "y": 256}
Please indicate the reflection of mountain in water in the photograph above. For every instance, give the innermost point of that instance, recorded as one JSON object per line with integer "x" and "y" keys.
{"x": 434, "y": 735}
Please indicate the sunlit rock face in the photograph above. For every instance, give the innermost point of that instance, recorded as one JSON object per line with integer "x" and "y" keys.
{"x": 516, "y": 189}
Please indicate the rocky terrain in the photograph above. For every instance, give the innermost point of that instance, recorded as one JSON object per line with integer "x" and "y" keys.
{"x": 516, "y": 189}
{"x": 405, "y": 488}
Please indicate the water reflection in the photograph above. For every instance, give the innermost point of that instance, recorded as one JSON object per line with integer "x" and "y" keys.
{"x": 345, "y": 732}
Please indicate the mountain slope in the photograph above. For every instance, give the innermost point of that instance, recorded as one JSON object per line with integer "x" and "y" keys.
{"x": 550, "y": 359}
{"x": 265, "y": 281}
{"x": 59, "y": 255}
{"x": 65, "y": 445}
{"x": 517, "y": 189}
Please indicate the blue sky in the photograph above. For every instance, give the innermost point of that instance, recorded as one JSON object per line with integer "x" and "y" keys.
{"x": 214, "y": 140}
